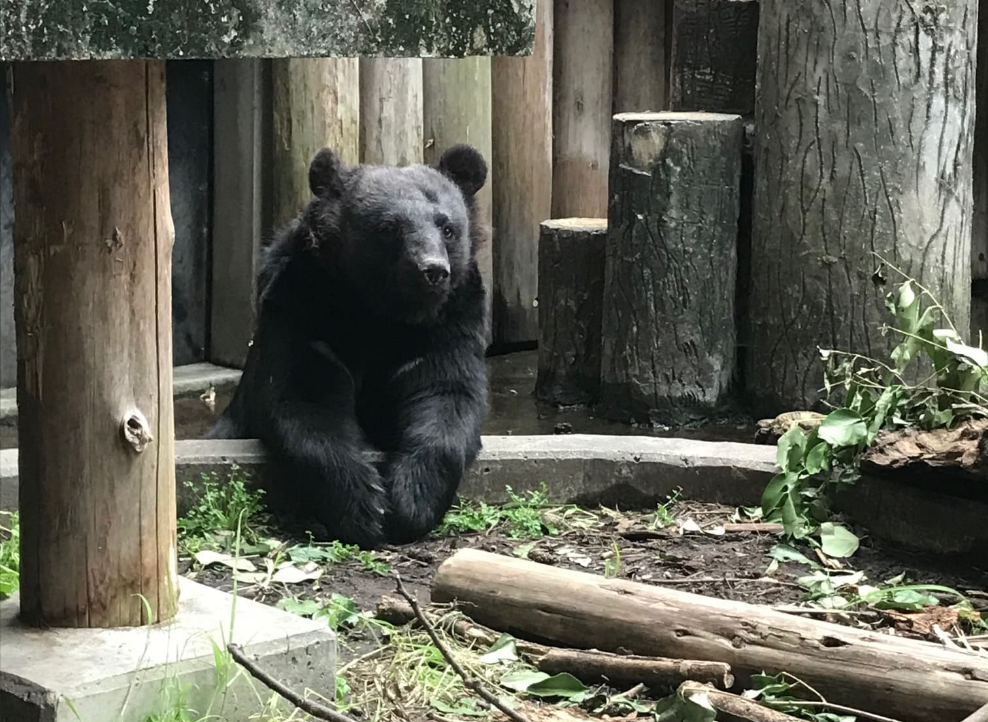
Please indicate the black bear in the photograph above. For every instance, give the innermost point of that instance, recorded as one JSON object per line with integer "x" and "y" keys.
{"x": 370, "y": 337}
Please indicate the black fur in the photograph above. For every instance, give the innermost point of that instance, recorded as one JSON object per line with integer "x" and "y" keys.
{"x": 355, "y": 352}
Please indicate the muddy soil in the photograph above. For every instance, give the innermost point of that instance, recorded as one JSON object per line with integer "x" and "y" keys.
{"x": 731, "y": 566}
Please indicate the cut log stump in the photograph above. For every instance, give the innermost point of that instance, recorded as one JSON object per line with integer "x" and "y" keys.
{"x": 900, "y": 678}
{"x": 668, "y": 344}
{"x": 571, "y": 295}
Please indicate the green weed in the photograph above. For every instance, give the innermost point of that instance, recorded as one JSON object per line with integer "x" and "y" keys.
{"x": 10, "y": 555}
{"x": 219, "y": 507}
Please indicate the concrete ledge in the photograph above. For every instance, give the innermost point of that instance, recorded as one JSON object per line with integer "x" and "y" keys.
{"x": 127, "y": 674}
{"x": 188, "y": 379}
{"x": 631, "y": 471}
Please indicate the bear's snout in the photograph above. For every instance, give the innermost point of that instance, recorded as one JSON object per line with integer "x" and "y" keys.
{"x": 435, "y": 272}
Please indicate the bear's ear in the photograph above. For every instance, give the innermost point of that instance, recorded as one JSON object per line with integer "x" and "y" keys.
{"x": 326, "y": 174}
{"x": 465, "y": 166}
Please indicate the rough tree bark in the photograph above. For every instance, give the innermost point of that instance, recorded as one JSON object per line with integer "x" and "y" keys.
{"x": 571, "y": 297}
{"x": 391, "y": 110}
{"x": 583, "y": 96}
{"x": 641, "y": 70}
{"x": 457, "y": 109}
{"x": 979, "y": 235}
{"x": 902, "y": 678}
{"x": 865, "y": 128}
{"x": 714, "y": 55}
{"x": 521, "y": 90}
{"x": 93, "y": 245}
{"x": 316, "y": 103}
{"x": 668, "y": 339}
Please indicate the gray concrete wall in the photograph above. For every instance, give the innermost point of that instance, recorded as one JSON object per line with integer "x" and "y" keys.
{"x": 190, "y": 100}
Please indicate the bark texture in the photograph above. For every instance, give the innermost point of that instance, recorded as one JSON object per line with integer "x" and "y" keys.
{"x": 901, "y": 678}
{"x": 316, "y": 104}
{"x": 571, "y": 297}
{"x": 521, "y": 90}
{"x": 668, "y": 340}
{"x": 391, "y": 111}
{"x": 865, "y": 129}
{"x": 457, "y": 109}
{"x": 714, "y": 46}
{"x": 979, "y": 235}
{"x": 641, "y": 68}
{"x": 93, "y": 245}
{"x": 581, "y": 108}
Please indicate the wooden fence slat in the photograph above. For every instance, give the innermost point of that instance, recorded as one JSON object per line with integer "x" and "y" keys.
{"x": 641, "y": 69}
{"x": 391, "y": 110}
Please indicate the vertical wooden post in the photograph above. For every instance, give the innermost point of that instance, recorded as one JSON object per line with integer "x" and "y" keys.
{"x": 582, "y": 101}
{"x": 571, "y": 298}
{"x": 641, "y": 71}
{"x": 979, "y": 234}
{"x": 93, "y": 245}
{"x": 847, "y": 165}
{"x": 668, "y": 322}
{"x": 713, "y": 55}
{"x": 315, "y": 103}
{"x": 238, "y": 130}
{"x": 391, "y": 110}
{"x": 457, "y": 109}
{"x": 521, "y": 90}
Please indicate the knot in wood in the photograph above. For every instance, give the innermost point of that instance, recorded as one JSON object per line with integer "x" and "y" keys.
{"x": 136, "y": 430}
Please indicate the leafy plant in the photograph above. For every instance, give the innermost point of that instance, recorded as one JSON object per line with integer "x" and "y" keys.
{"x": 612, "y": 566}
{"x": 10, "y": 556}
{"x": 876, "y": 396}
{"x": 338, "y": 611}
{"x": 663, "y": 514}
{"x": 523, "y": 517}
{"x": 217, "y": 509}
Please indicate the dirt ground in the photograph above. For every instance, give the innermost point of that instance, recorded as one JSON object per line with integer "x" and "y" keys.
{"x": 703, "y": 561}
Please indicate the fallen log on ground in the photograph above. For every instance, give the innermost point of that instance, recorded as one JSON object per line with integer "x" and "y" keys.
{"x": 961, "y": 452}
{"x": 589, "y": 666}
{"x": 907, "y": 679}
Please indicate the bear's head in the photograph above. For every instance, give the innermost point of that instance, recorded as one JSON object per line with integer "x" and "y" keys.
{"x": 404, "y": 236}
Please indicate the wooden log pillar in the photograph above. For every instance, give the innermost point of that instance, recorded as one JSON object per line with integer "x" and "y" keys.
{"x": 391, "y": 111}
{"x": 850, "y": 161}
{"x": 238, "y": 207}
{"x": 979, "y": 235}
{"x": 713, "y": 55}
{"x": 668, "y": 338}
{"x": 521, "y": 108}
{"x": 641, "y": 70}
{"x": 316, "y": 103}
{"x": 571, "y": 296}
{"x": 457, "y": 109}
{"x": 93, "y": 245}
{"x": 582, "y": 100}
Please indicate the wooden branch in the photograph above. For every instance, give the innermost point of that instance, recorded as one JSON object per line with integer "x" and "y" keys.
{"x": 319, "y": 711}
{"x": 980, "y": 716}
{"x": 735, "y": 707}
{"x": 468, "y": 680}
{"x": 589, "y": 666}
{"x": 912, "y": 680}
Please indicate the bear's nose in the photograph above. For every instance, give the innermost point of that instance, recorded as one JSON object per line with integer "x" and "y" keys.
{"x": 436, "y": 273}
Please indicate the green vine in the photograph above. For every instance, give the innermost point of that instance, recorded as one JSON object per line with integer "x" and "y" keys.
{"x": 950, "y": 387}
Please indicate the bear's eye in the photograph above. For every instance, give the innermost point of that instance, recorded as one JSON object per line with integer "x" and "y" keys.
{"x": 448, "y": 231}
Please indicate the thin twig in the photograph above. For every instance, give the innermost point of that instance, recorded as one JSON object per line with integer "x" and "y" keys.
{"x": 319, "y": 711}
{"x": 823, "y": 704}
{"x": 468, "y": 681}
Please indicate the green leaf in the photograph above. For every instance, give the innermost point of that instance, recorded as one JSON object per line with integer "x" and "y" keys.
{"x": 976, "y": 356}
{"x": 563, "y": 685}
{"x": 843, "y": 427}
{"x": 304, "y": 608}
{"x": 522, "y": 679}
{"x": 883, "y": 407}
{"x": 818, "y": 458}
{"x": 790, "y": 448}
{"x": 503, "y": 650}
{"x": 772, "y": 495}
{"x": 837, "y": 541}
{"x": 786, "y": 553}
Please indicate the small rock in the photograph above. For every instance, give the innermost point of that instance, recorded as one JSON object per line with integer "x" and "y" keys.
{"x": 563, "y": 428}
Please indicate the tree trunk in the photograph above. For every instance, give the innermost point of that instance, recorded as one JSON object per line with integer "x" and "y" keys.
{"x": 391, "y": 111}
{"x": 668, "y": 340}
{"x": 979, "y": 236}
{"x": 902, "y": 678}
{"x": 641, "y": 70}
{"x": 865, "y": 128}
{"x": 457, "y": 109}
{"x": 93, "y": 245}
{"x": 714, "y": 44}
{"x": 571, "y": 297}
{"x": 583, "y": 97}
{"x": 521, "y": 107}
{"x": 316, "y": 104}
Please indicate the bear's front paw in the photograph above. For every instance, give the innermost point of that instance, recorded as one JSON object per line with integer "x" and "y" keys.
{"x": 364, "y": 522}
